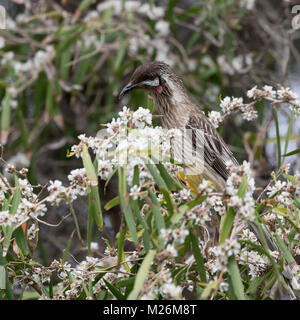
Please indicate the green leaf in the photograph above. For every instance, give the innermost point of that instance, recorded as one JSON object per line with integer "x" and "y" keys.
{"x": 235, "y": 277}
{"x": 168, "y": 200}
{"x": 146, "y": 235}
{"x": 284, "y": 250}
{"x": 291, "y": 153}
{"x": 94, "y": 199}
{"x": 2, "y": 277}
{"x": 297, "y": 202}
{"x": 198, "y": 256}
{"x": 243, "y": 187}
{"x": 66, "y": 251}
{"x": 287, "y": 138}
{"x": 290, "y": 178}
{"x": 120, "y": 56}
{"x": 158, "y": 217}
{"x": 277, "y": 137}
{"x": 14, "y": 207}
{"x": 5, "y": 114}
{"x": 212, "y": 286}
{"x": 114, "y": 290}
{"x": 125, "y": 206}
{"x": 112, "y": 203}
{"x": 158, "y": 179}
{"x": 171, "y": 183}
{"x": 21, "y": 240}
{"x": 226, "y": 225}
{"x": 121, "y": 239}
{"x": 141, "y": 275}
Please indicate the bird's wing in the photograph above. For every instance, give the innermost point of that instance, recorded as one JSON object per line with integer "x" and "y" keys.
{"x": 217, "y": 155}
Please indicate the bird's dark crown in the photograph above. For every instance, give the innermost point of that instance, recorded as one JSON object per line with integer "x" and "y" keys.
{"x": 149, "y": 71}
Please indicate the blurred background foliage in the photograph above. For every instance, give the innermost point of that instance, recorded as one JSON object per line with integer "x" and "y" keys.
{"x": 64, "y": 62}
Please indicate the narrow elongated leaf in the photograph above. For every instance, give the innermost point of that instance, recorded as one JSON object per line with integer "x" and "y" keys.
{"x": 94, "y": 199}
{"x": 2, "y": 277}
{"x": 114, "y": 290}
{"x": 158, "y": 218}
{"x": 236, "y": 280}
{"x": 284, "y": 250}
{"x": 171, "y": 183}
{"x": 198, "y": 256}
{"x": 112, "y": 203}
{"x": 291, "y": 153}
{"x": 141, "y": 275}
{"x": 125, "y": 206}
{"x": 66, "y": 251}
{"x": 168, "y": 200}
{"x": 243, "y": 187}
{"x": 226, "y": 225}
{"x": 158, "y": 179}
{"x": 21, "y": 241}
{"x": 277, "y": 137}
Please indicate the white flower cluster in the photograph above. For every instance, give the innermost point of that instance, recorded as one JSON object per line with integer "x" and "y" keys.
{"x": 221, "y": 254}
{"x": 124, "y": 144}
{"x": 282, "y": 95}
{"x": 229, "y": 105}
{"x": 29, "y": 206}
{"x": 177, "y": 235}
{"x": 244, "y": 205}
{"x": 215, "y": 118}
{"x": 232, "y": 104}
{"x": 284, "y": 192}
{"x": 78, "y": 187}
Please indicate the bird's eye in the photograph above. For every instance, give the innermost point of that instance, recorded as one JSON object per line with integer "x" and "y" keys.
{"x": 151, "y": 76}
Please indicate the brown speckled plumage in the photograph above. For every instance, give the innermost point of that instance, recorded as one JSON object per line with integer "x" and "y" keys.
{"x": 178, "y": 111}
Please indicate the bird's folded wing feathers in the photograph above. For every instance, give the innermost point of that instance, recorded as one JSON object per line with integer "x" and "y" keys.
{"x": 217, "y": 155}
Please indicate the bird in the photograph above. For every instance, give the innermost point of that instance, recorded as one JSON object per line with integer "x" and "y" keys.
{"x": 178, "y": 111}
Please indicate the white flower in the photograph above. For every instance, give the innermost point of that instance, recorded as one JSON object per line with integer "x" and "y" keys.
{"x": 185, "y": 194}
{"x": 287, "y": 94}
{"x": 125, "y": 114}
{"x": 172, "y": 250}
{"x": 269, "y": 91}
{"x": 134, "y": 192}
{"x": 43, "y": 57}
{"x": 162, "y": 27}
{"x": 6, "y": 219}
{"x": 114, "y": 126}
{"x": 142, "y": 117}
{"x": 215, "y": 118}
{"x": 231, "y": 104}
{"x": 57, "y": 192}
{"x": 170, "y": 291}
{"x": 25, "y": 187}
{"x": 205, "y": 187}
{"x": 94, "y": 246}
{"x": 79, "y": 181}
{"x": 104, "y": 169}
{"x": 248, "y": 112}
{"x": 31, "y": 232}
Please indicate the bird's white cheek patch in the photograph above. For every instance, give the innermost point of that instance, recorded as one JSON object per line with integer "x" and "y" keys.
{"x": 159, "y": 89}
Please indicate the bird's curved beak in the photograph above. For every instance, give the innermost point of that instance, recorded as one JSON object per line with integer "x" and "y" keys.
{"x": 129, "y": 86}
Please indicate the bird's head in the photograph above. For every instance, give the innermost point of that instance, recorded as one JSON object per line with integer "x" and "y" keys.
{"x": 154, "y": 77}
